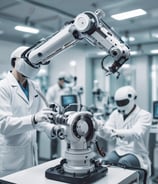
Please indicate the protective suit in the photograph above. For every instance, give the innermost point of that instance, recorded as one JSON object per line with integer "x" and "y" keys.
{"x": 18, "y": 149}
{"x": 55, "y": 92}
{"x": 129, "y": 126}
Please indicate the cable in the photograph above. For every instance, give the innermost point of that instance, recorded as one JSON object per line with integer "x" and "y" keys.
{"x": 111, "y": 69}
{"x": 100, "y": 150}
{"x": 102, "y": 64}
{"x": 43, "y": 97}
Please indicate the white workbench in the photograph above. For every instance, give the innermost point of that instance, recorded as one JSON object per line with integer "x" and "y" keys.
{"x": 36, "y": 175}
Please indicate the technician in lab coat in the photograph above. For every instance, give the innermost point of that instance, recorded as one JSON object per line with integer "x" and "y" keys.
{"x": 129, "y": 126}
{"x": 60, "y": 88}
{"x": 22, "y": 112}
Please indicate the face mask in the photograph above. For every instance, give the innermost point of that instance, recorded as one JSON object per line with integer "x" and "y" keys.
{"x": 26, "y": 70}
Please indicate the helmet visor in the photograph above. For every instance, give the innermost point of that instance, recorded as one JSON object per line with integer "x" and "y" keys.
{"x": 121, "y": 103}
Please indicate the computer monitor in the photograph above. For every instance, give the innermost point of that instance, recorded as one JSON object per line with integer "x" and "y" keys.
{"x": 69, "y": 102}
{"x": 155, "y": 109}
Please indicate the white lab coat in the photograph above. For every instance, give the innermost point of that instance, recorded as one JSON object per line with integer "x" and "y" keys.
{"x": 54, "y": 94}
{"x": 135, "y": 130}
{"x": 18, "y": 149}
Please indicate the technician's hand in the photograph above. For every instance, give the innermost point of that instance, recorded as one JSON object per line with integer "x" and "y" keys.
{"x": 117, "y": 134}
{"x": 44, "y": 115}
{"x": 105, "y": 131}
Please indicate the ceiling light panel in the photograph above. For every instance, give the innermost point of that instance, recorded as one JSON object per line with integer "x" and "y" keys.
{"x": 27, "y": 29}
{"x": 129, "y": 14}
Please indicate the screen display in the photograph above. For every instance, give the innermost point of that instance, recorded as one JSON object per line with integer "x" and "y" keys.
{"x": 155, "y": 110}
{"x": 69, "y": 102}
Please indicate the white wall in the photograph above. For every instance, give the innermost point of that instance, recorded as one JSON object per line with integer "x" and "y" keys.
{"x": 142, "y": 80}
{"x": 5, "y": 50}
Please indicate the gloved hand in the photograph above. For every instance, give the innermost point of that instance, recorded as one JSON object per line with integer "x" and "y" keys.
{"x": 118, "y": 133}
{"x": 45, "y": 114}
{"x": 99, "y": 123}
{"x": 104, "y": 131}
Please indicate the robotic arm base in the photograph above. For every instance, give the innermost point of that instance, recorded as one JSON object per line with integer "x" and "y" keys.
{"x": 57, "y": 173}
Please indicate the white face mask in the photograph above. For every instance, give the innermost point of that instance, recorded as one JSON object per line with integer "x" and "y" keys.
{"x": 69, "y": 85}
{"x": 25, "y": 69}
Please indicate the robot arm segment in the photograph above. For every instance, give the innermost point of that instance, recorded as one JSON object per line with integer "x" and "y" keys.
{"x": 88, "y": 26}
{"x": 43, "y": 51}
{"x": 102, "y": 36}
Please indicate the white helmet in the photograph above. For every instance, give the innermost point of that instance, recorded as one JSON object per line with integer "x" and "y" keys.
{"x": 125, "y": 99}
{"x": 61, "y": 75}
{"x": 68, "y": 78}
{"x": 21, "y": 65}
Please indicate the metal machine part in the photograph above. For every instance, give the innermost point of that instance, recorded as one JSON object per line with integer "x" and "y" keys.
{"x": 79, "y": 163}
{"x": 87, "y": 26}
{"x": 80, "y": 134}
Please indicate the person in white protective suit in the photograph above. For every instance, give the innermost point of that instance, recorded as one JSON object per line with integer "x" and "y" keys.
{"x": 60, "y": 88}
{"x": 22, "y": 113}
{"x": 129, "y": 126}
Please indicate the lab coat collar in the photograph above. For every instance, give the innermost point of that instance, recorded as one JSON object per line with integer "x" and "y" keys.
{"x": 32, "y": 91}
{"x": 134, "y": 113}
{"x": 14, "y": 84}
{"x": 136, "y": 110}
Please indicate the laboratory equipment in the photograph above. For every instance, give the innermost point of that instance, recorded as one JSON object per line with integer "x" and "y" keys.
{"x": 77, "y": 128}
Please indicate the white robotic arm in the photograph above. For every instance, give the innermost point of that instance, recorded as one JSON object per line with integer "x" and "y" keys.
{"x": 78, "y": 129}
{"x": 88, "y": 26}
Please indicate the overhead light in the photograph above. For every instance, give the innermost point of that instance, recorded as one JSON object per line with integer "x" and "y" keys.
{"x": 102, "y": 53}
{"x": 129, "y": 14}
{"x": 27, "y": 29}
{"x": 73, "y": 63}
{"x": 154, "y": 51}
{"x": 133, "y": 53}
{"x": 126, "y": 66}
{"x": 155, "y": 35}
{"x": 126, "y": 39}
{"x": 131, "y": 39}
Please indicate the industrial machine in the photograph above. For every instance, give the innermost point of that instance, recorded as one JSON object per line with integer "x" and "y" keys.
{"x": 78, "y": 128}
{"x": 79, "y": 165}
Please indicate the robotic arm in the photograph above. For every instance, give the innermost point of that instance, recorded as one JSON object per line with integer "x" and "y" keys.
{"x": 78, "y": 129}
{"x": 87, "y": 26}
